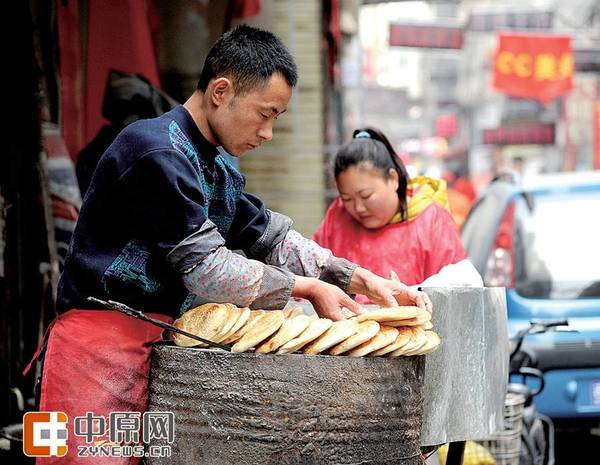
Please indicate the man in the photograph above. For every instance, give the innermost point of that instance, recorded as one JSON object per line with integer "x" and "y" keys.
{"x": 165, "y": 209}
{"x": 162, "y": 215}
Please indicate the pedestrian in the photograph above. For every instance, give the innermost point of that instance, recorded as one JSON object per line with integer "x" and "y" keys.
{"x": 163, "y": 213}
{"x": 461, "y": 196}
{"x": 385, "y": 221}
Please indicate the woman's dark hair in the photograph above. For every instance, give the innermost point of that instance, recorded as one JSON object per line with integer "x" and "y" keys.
{"x": 250, "y": 56}
{"x": 369, "y": 145}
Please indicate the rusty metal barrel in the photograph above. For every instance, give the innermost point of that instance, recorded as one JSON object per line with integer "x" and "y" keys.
{"x": 260, "y": 409}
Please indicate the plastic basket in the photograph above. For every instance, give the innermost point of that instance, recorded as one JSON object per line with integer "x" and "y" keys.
{"x": 505, "y": 445}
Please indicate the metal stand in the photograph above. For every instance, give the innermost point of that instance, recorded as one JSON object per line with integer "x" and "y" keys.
{"x": 456, "y": 451}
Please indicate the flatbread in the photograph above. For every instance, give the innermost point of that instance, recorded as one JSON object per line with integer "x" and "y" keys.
{"x": 252, "y": 318}
{"x": 347, "y": 313}
{"x": 420, "y": 319}
{"x": 366, "y": 330}
{"x": 265, "y": 325}
{"x": 290, "y": 329}
{"x": 234, "y": 314}
{"x": 433, "y": 341}
{"x": 339, "y": 331}
{"x": 206, "y": 321}
{"x": 427, "y": 325}
{"x": 244, "y": 315}
{"x": 291, "y": 312}
{"x": 315, "y": 329}
{"x": 417, "y": 350}
{"x": 389, "y": 314}
{"x": 400, "y": 323}
{"x": 418, "y": 340}
{"x": 384, "y": 337}
{"x": 403, "y": 349}
{"x": 404, "y": 337}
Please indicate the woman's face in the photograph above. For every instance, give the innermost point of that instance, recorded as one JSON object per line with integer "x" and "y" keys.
{"x": 368, "y": 196}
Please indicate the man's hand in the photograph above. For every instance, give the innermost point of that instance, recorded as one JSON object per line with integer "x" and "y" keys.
{"x": 386, "y": 292}
{"x": 329, "y": 301}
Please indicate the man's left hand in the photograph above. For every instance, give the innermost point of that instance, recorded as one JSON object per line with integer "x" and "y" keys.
{"x": 387, "y": 292}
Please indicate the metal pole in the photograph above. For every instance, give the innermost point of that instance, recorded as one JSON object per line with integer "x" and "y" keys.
{"x": 456, "y": 451}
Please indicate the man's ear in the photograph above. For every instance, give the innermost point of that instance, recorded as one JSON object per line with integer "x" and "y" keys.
{"x": 220, "y": 90}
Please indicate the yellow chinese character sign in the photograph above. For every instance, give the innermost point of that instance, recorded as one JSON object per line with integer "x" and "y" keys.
{"x": 533, "y": 66}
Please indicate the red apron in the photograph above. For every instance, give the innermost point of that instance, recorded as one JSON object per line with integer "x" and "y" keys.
{"x": 96, "y": 361}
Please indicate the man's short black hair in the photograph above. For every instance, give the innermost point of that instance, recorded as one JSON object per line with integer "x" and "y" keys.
{"x": 249, "y": 56}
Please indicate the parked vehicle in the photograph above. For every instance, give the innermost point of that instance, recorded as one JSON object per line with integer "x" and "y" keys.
{"x": 541, "y": 240}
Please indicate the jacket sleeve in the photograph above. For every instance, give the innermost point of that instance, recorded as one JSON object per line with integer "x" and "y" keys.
{"x": 268, "y": 236}
{"x": 167, "y": 204}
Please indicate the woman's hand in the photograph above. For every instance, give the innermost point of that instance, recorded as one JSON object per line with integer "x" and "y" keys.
{"x": 329, "y": 301}
{"x": 386, "y": 292}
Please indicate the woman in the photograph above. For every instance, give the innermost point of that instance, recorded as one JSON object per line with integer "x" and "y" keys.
{"x": 384, "y": 221}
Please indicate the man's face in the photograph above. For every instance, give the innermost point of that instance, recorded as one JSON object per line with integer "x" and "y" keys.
{"x": 243, "y": 122}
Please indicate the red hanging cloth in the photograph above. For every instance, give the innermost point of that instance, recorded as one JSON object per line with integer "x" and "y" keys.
{"x": 119, "y": 37}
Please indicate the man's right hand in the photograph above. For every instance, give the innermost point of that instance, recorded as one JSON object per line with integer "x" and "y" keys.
{"x": 327, "y": 299}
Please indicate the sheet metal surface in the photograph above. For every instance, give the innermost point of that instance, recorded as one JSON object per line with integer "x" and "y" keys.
{"x": 466, "y": 378}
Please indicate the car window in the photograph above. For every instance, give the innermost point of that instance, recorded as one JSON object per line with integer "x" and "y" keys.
{"x": 557, "y": 246}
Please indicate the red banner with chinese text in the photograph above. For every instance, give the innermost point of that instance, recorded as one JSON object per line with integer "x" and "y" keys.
{"x": 538, "y": 67}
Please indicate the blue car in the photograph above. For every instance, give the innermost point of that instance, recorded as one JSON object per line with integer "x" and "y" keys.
{"x": 541, "y": 240}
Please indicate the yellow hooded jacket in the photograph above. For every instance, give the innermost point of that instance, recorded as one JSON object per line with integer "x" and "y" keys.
{"x": 422, "y": 192}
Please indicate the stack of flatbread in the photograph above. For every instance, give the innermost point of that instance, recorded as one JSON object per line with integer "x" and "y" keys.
{"x": 387, "y": 332}
{"x": 215, "y": 322}
{"x": 403, "y": 331}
